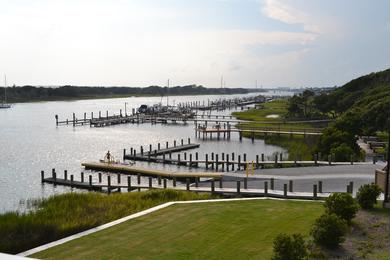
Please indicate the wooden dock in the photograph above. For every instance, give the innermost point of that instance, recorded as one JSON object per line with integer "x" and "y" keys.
{"x": 159, "y": 151}
{"x": 225, "y": 132}
{"x": 130, "y": 169}
{"x": 241, "y": 188}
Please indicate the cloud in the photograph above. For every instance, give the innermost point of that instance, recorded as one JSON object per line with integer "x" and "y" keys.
{"x": 279, "y": 11}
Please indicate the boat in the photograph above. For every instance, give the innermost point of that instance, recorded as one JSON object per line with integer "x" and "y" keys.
{"x": 4, "y": 104}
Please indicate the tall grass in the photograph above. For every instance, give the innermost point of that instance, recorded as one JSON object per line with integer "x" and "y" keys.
{"x": 66, "y": 214}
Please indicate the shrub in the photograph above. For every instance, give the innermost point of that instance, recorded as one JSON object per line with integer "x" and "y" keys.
{"x": 289, "y": 247}
{"x": 342, "y": 153}
{"x": 341, "y": 204}
{"x": 329, "y": 230}
{"x": 367, "y": 195}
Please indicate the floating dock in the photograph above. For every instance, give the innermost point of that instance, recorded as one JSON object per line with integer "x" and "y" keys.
{"x": 129, "y": 169}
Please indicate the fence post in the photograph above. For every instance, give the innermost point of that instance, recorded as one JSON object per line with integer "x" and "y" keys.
{"x": 351, "y": 187}
{"x": 90, "y": 181}
{"x": 285, "y": 190}
{"x": 128, "y": 183}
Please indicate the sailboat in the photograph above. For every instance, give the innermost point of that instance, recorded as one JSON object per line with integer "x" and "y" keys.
{"x": 4, "y": 104}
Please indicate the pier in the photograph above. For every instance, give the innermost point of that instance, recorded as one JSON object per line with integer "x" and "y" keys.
{"x": 215, "y": 187}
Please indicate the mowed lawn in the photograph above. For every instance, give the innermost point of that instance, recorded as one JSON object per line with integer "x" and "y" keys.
{"x": 215, "y": 230}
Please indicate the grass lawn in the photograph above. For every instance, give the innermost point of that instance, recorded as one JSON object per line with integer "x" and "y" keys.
{"x": 224, "y": 230}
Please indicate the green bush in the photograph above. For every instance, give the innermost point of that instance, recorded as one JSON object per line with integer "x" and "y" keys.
{"x": 367, "y": 195}
{"x": 342, "y": 153}
{"x": 341, "y": 204}
{"x": 329, "y": 230}
{"x": 289, "y": 247}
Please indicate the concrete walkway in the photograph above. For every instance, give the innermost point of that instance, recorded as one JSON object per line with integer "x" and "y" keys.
{"x": 334, "y": 178}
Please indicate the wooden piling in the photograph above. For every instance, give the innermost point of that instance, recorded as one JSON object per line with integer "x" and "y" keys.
{"x": 100, "y": 177}
{"x": 285, "y": 190}
{"x": 266, "y": 188}
{"x": 128, "y": 183}
{"x": 42, "y": 176}
{"x": 65, "y": 174}
{"x": 207, "y": 161}
{"x": 320, "y": 186}
{"x": 108, "y": 183}
{"x": 238, "y": 187}
{"x": 272, "y": 183}
{"x": 245, "y": 183}
{"x": 187, "y": 184}
{"x": 290, "y": 186}
{"x": 174, "y": 181}
{"x": 90, "y": 181}
{"x": 315, "y": 191}
{"x": 212, "y": 186}
{"x": 150, "y": 182}
{"x": 82, "y": 176}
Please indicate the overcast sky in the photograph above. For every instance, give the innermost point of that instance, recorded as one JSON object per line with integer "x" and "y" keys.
{"x": 290, "y": 43}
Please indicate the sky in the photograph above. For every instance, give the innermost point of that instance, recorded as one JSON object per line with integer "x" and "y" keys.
{"x": 291, "y": 43}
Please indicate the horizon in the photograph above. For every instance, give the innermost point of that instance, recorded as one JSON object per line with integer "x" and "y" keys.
{"x": 277, "y": 43}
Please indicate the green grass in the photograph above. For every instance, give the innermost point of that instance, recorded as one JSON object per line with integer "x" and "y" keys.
{"x": 276, "y": 107}
{"x": 378, "y": 209}
{"x": 66, "y": 214}
{"x": 224, "y": 230}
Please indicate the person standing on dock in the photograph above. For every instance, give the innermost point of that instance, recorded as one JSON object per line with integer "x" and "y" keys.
{"x": 108, "y": 156}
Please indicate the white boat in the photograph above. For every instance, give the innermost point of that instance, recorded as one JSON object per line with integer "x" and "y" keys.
{"x": 4, "y": 104}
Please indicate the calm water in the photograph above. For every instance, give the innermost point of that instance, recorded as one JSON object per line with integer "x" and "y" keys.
{"x": 31, "y": 142}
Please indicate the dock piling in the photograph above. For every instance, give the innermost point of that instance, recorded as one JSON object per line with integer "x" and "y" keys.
{"x": 128, "y": 183}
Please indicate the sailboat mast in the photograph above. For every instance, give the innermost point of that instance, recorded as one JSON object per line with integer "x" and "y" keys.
{"x": 5, "y": 88}
{"x": 168, "y": 94}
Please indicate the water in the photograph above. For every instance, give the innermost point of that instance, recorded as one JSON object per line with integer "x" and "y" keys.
{"x": 30, "y": 142}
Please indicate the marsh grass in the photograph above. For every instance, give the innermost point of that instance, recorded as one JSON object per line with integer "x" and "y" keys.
{"x": 62, "y": 215}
